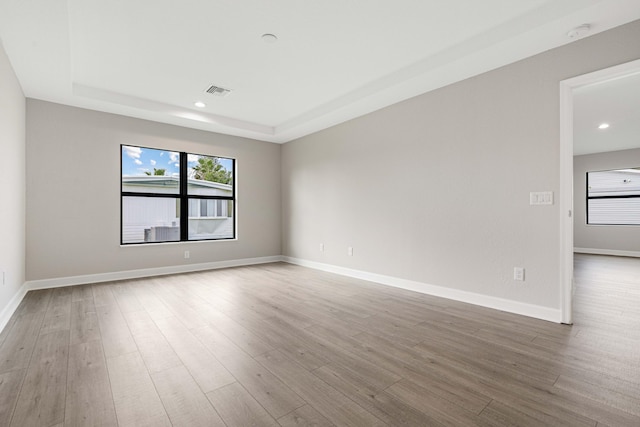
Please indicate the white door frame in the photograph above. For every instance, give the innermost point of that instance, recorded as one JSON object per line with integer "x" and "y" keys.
{"x": 566, "y": 172}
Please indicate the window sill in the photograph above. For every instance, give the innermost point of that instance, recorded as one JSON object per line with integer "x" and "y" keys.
{"x": 219, "y": 218}
{"x": 137, "y": 245}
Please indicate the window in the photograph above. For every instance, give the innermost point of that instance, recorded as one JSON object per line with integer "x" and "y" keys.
{"x": 158, "y": 185}
{"x": 613, "y": 197}
{"x": 204, "y": 208}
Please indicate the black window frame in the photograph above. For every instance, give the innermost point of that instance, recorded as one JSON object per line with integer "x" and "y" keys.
{"x": 588, "y": 198}
{"x": 182, "y": 197}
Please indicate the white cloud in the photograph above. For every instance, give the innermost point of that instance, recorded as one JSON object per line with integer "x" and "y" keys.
{"x": 192, "y": 158}
{"x": 176, "y": 165}
{"x": 137, "y": 161}
{"x": 153, "y": 162}
{"x": 173, "y": 157}
{"x": 132, "y": 152}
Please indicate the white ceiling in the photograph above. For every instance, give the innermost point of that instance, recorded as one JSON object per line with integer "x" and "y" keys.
{"x": 616, "y": 102}
{"x": 334, "y": 59}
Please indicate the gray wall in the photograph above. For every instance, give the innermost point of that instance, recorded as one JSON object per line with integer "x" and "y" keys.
{"x": 602, "y": 237}
{"x": 73, "y": 193}
{"x": 436, "y": 189}
{"x": 12, "y": 183}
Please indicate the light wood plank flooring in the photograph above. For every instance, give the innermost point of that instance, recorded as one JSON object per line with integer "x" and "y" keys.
{"x": 281, "y": 345}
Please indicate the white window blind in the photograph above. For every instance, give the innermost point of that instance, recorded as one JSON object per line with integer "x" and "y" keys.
{"x": 613, "y": 197}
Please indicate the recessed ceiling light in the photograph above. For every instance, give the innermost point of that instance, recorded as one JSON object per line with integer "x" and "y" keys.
{"x": 200, "y": 104}
{"x": 269, "y": 38}
{"x": 603, "y": 126}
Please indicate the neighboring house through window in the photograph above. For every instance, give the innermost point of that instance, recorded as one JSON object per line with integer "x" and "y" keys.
{"x": 157, "y": 185}
{"x": 613, "y": 197}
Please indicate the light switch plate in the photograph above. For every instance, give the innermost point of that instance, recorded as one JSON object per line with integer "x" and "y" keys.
{"x": 541, "y": 198}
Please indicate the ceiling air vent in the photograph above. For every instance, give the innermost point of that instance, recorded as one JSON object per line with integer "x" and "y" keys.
{"x": 218, "y": 91}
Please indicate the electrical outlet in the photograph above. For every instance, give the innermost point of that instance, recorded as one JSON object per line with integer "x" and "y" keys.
{"x": 350, "y": 251}
{"x": 186, "y": 254}
{"x": 321, "y": 247}
{"x": 518, "y": 274}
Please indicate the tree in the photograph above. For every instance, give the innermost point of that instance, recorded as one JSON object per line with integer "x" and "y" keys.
{"x": 210, "y": 169}
{"x": 156, "y": 172}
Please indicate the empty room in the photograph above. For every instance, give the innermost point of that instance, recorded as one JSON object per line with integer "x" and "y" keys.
{"x": 336, "y": 213}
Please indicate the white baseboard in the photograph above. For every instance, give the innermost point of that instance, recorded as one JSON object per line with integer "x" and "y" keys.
{"x": 539, "y": 312}
{"x": 10, "y": 308}
{"x": 614, "y": 252}
{"x": 58, "y": 282}
{"x": 145, "y": 272}
{"x": 530, "y": 310}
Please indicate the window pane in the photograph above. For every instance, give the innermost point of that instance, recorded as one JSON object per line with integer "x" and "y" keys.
{"x": 203, "y": 207}
{"x": 150, "y": 219}
{"x": 209, "y": 176}
{"x": 609, "y": 208}
{"x": 194, "y": 207}
{"x": 211, "y": 226}
{"x": 147, "y": 170}
{"x": 621, "y": 182}
{"x": 623, "y": 211}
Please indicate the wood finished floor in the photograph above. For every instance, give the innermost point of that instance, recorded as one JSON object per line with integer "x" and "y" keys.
{"x": 281, "y": 345}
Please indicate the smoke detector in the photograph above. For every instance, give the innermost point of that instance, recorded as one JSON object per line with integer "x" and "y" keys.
{"x": 269, "y": 38}
{"x": 579, "y": 31}
{"x": 218, "y": 91}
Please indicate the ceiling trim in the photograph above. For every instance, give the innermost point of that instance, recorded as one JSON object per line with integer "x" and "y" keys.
{"x": 171, "y": 110}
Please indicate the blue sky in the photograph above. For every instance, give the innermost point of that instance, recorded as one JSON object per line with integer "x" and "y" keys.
{"x": 136, "y": 161}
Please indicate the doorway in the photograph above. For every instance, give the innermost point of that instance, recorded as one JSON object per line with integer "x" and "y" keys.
{"x": 566, "y": 199}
